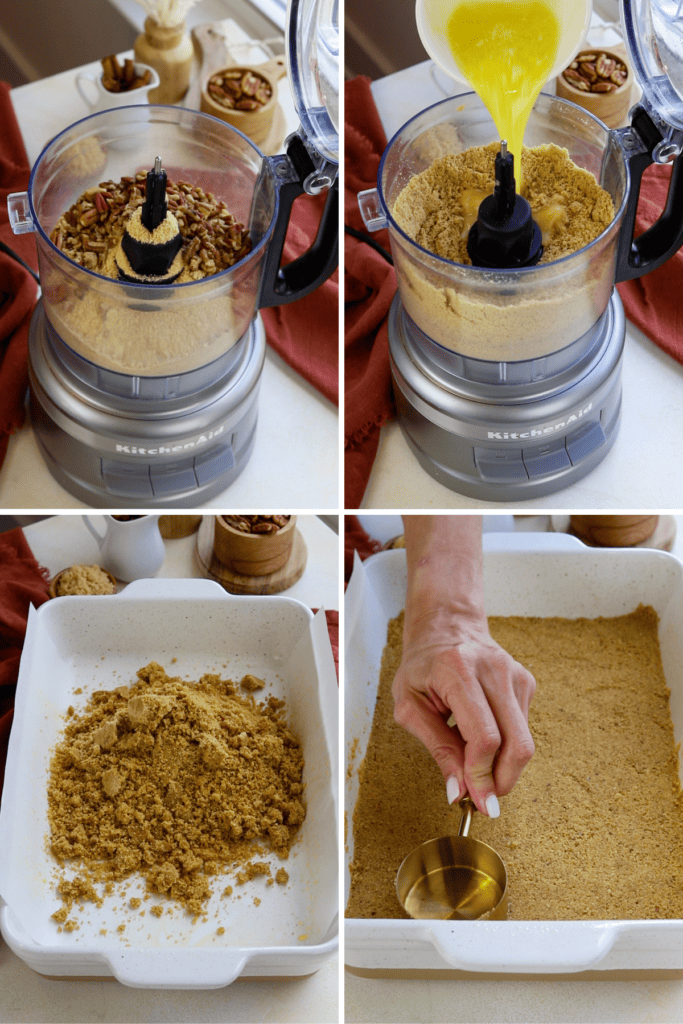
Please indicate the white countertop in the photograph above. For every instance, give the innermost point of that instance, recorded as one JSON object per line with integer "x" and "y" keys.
{"x": 65, "y": 540}
{"x": 644, "y": 469}
{"x": 26, "y": 996}
{"x": 569, "y": 1000}
{"x": 296, "y": 456}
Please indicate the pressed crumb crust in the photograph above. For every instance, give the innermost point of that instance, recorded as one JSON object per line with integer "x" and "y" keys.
{"x": 594, "y": 827}
{"x": 176, "y": 781}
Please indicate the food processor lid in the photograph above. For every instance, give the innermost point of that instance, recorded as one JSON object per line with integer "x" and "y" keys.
{"x": 313, "y": 66}
{"x": 653, "y": 31}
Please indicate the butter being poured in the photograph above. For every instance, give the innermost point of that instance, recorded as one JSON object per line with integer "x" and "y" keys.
{"x": 506, "y": 50}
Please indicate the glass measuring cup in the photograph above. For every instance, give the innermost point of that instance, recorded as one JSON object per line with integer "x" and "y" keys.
{"x": 454, "y": 878}
{"x": 432, "y": 17}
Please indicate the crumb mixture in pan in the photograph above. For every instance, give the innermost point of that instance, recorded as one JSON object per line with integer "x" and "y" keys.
{"x": 175, "y": 780}
{"x": 594, "y": 827}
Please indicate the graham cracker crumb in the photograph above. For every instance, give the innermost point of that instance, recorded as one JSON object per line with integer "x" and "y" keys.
{"x": 433, "y": 206}
{"x": 175, "y": 781}
{"x": 593, "y": 830}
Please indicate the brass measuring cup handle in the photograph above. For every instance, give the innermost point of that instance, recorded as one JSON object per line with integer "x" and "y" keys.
{"x": 468, "y": 808}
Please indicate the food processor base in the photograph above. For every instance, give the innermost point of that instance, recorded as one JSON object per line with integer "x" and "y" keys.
{"x": 505, "y": 442}
{"x": 115, "y": 452}
{"x": 82, "y": 478}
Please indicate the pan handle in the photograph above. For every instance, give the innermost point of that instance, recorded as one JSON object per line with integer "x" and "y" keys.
{"x": 521, "y": 947}
{"x": 182, "y": 968}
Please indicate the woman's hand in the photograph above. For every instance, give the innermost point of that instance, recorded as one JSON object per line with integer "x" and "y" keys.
{"x": 488, "y": 694}
{"x": 451, "y": 666}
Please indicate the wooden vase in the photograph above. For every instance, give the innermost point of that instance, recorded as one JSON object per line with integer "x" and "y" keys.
{"x": 170, "y": 52}
{"x": 172, "y": 527}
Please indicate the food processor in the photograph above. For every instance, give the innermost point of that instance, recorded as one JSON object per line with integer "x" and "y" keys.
{"x": 145, "y": 393}
{"x": 507, "y": 381}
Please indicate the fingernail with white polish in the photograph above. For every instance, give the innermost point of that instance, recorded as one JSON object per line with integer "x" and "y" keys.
{"x": 492, "y": 806}
{"x": 452, "y": 789}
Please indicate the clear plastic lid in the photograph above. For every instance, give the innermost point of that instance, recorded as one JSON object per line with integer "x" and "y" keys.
{"x": 653, "y": 31}
{"x": 313, "y": 64}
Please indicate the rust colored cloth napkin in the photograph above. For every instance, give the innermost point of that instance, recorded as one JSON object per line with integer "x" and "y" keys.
{"x": 18, "y": 290}
{"x": 22, "y": 583}
{"x": 654, "y": 302}
{"x": 369, "y": 286}
{"x": 333, "y": 629}
{"x": 305, "y": 333}
{"x": 356, "y": 539}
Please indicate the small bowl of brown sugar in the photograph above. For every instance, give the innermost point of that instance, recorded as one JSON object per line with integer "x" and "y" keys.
{"x": 80, "y": 580}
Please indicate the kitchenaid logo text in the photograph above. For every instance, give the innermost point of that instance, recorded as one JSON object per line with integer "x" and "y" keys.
{"x": 516, "y": 435}
{"x": 162, "y": 449}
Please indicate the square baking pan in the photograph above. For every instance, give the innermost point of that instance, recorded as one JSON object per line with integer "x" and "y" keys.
{"x": 532, "y": 575}
{"x": 190, "y": 627}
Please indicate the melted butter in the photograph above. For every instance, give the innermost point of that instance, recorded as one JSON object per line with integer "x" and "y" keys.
{"x": 551, "y": 219}
{"x": 506, "y": 49}
{"x": 470, "y": 200}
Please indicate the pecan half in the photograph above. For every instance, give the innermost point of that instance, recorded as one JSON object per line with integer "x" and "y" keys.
{"x": 239, "y": 89}
{"x": 257, "y": 524}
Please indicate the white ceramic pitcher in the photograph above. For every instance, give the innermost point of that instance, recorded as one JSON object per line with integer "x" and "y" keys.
{"x": 130, "y": 549}
{"x": 97, "y": 98}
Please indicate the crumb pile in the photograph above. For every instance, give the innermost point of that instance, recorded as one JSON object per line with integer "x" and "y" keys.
{"x": 84, "y": 579}
{"x": 438, "y": 206}
{"x": 594, "y": 827}
{"x": 177, "y": 781}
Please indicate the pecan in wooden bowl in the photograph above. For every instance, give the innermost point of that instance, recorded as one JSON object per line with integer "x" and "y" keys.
{"x": 599, "y": 81}
{"x": 253, "y": 545}
{"x": 245, "y": 97}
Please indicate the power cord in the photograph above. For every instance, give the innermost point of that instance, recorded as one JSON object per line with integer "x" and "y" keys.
{"x": 362, "y": 237}
{"x": 15, "y": 256}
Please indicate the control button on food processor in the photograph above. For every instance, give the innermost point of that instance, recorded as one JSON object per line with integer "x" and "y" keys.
{"x": 171, "y": 477}
{"x": 208, "y": 467}
{"x": 495, "y": 464}
{"x": 584, "y": 441}
{"x": 547, "y": 458}
{"x": 121, "y": 478}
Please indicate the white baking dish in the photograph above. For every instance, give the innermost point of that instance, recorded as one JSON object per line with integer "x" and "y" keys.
{"x": 524, "y": 574}
{"x": 99, "y": 643}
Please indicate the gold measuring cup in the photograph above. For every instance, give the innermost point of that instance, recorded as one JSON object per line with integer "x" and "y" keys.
{"x": 455, "y": 878}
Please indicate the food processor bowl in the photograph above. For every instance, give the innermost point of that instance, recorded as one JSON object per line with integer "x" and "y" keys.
{"x": 142, "y": 329}
{"x": 499, "y": 316}
{"x": 148, "y": 393}
{"x": 507, "y": 383}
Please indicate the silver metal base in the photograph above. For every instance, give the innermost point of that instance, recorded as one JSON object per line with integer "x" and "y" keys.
{"x": 497, "y": 441}
{"x": 175, "y": 444}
